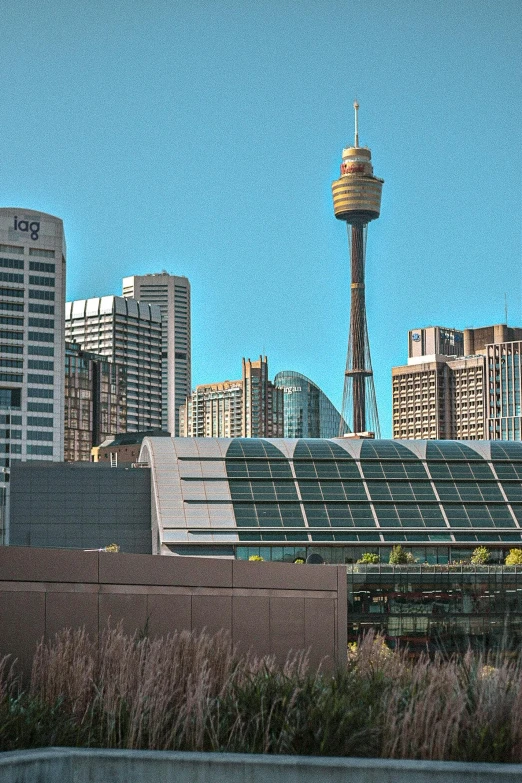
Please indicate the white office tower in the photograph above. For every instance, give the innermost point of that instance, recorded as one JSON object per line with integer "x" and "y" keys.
{"x": 32, "y": 300}
{"x": 172, "y": 295}
{"x": 129, "y": 333}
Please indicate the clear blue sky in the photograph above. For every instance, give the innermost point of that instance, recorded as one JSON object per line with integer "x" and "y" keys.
{"x": 202, "y": 136}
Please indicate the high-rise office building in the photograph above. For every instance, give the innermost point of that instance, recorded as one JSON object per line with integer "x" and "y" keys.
{"x": 308, "y": 413}
{"x": 251, "y": 407}
{"x": 172, "y": 295}
{"x": 357, "y": 201}
{"x": 95, "y": 401}
{"x": 503, "y": 389}
{"x": 465, "y": 387}
{"x": 32, "y": 299}
{"x": 263, "y": 405}
{"x": 213, "y": 410}
{"x": 129, "y": 334}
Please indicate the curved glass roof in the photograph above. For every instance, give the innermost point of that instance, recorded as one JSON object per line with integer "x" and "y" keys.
{"x": 324, "y": 492}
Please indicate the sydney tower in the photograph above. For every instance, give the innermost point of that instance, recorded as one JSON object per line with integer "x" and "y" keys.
{"x": 357, "y": 200}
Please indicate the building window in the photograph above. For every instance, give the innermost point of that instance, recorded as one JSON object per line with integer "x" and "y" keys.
{"x": 41, "y": 308}
{"x": 42, "y": 337}
{"x": 43, "y": 450}
{"x": 12, "y": 263}
{"x": 40, "y": 350}
{"x": 11, "y": 277}
{"x": 12, "y": 249}
{"x": 35, "y": 294}
{"x": 37, "y": 280}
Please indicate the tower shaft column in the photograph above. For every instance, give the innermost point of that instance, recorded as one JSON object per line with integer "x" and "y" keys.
{"x": 358, "y": 370}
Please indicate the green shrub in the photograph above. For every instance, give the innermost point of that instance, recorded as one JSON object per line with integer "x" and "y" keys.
{"x": 256, "y": 559}
{"x": 370, "y": 558}
{"x": 514, "y": 557}
{"x": 480, "y": 556}
{"x": 399, "y": 556}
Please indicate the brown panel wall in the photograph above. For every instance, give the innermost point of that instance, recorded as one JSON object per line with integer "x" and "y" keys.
{"x": 66, "y": 609}
{"x": 22, "y": 624}
{"x": 287, "y": 626}
{"x": 251, "y": 623}
{"x": 268, "y": 608}
{"x": 167, "y": 614}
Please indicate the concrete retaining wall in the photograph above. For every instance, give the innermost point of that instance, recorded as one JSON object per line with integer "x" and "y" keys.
{"x": 271, "y": 608}
{"x": 121, "y": 766}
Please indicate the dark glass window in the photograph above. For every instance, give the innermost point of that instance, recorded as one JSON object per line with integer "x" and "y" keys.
{"x": 40, "y": 266}
{"x": 13, "y": 263}
{"x": 39, "y": 280}
{"x": 12, "y": 306}
{"x": 10, "y": 398}
{"x": 11, "y": 277}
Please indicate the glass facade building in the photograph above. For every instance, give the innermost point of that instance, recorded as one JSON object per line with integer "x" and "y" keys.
{"x": 442, "y": 607}
{"x": 308, "y": 413}
{"x": 95, "y": 401}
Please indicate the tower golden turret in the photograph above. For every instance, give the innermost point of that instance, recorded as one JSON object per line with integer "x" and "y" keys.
{"x": 357, "y": 201}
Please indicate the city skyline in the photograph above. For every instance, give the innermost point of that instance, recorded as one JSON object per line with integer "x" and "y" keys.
{"x": 136, "y": 106}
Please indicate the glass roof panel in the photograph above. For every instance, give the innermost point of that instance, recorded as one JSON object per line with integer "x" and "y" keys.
{"x": 468, "y": 490}
{"x": 461, "y": 470}
{"x": 401, "y": 490}
{"x": 478, "y": 515}
{"x": 450, "y": 450}
{"x": 513, "y": 490}
{"x": 253, "y": 447}
{"x": 319, "y": 448}
{"x": 386, "y": 449}
{"x": 409, "y": 515}
{"x": 339, "y": 515}
{"x": 508, "y": 470}
{"x": 511, "y": 450}
{"x": 393, "y": 469}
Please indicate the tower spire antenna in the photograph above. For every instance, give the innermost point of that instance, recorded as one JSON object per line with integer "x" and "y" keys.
{"x": 356, "y": 111}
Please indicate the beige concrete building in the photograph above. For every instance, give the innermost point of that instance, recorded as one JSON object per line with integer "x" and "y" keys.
{"x": 442, "y": 393}
{"x": 214, "y": 410}
{"x": 249, "y": 408}
{"x": 171, "y": 294}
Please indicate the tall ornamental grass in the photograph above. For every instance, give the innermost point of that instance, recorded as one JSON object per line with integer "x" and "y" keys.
{"x": 195, "y": 692}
